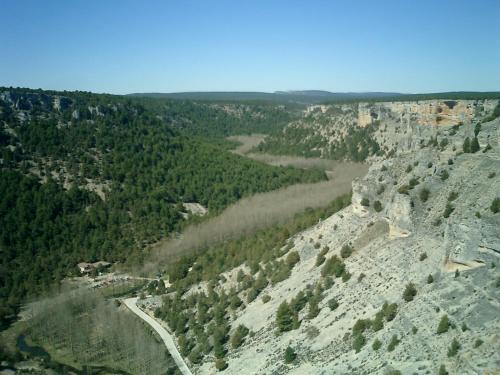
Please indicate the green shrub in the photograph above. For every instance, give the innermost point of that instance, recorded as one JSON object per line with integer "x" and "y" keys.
{"x": 466, "y": 145}
{"x": 414, "y": 330}
{"x": 409, "y": 168}
{"x": 266, "y": 298}
{"x": 390, "y": 311}
{"x": 453, "y": 349}
{"x": 333, "y": 266}
{"x": 361, "y": 277}
{"x": 377, "y": 206}
{"x": 444, "y": 175}
{"x": 474, "y": 146}
{"x": 290, "y": 355}
{"x": 292, "y": 259}
{"x": 358, "y": 342}
{"x": 464, "y": 327}
{"x": 430, "y": 279}
{"x": 424, "y": 194}
{"x": 404, "y": 189}
{"x": 495, "y": 205}
{"x": 378, "y": 322}
{"x": 195, "y": 356}
{"x": 299, "y": 302}
{"x": 413, "y": 182}
{"x": 452, "y": 196}
{"x": 285, "y": 317}
{"x": 492, "y": 174}
{"x": 314, "y": 309}
{"x": 423, "y": 257}
{"x": 346, "y": 251}
{"x": 478, "y": 343}
{"x": 320, "y": 259}
{"x": 360, "y": 326}
{"x": 444, "y": 325}
{"x": 365, "y": 202}
{"x": 333, "y": 304}
{"x": 252, "y": 294}
{"x": 429, "y": 164}
{"x": 220, "y": 364}
{"x": 448, "y": 210}
{"x": 239, "y": 336}
{"x": 450, "y": 161}
{"x": 410, "y": 292}
{"x": 442, "y": 370}
{"x": 346, "y": 276}
{"x": 393, "y": 343}
{"x": 317, "y": 245}
{"x": 328, "y": 283}
{"x": 376, "y": 344}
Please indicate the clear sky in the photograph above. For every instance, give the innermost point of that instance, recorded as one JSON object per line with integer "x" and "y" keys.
{"x": 122, "y": 46}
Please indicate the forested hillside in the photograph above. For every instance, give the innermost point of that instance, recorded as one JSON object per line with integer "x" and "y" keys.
{"x": 86, "y": 177}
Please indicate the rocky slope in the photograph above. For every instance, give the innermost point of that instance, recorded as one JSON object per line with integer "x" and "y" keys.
{"x": 425, "y": 216}
{"x": 358, "y": 130}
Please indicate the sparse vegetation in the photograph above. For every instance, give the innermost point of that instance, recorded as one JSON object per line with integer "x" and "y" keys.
{"x": 390, "y": 311}
{"x": 376, "y": 344}
{"x": 285, "y": 319}
{"x": 466, "y": 146}
{"x": 365, "y": 202}
{"x": 220, "y": 364}
{"x": 452, "y": 196}
{"x": 444, "y": 325}
{"x": 333, "y": 304}
{"x": 444, "y": 175}
{"x": 495, "y": 205}
{"x": 239, "y": 336}
{"x": 333, "y": 266}
{"x": 346, "y": 251}
{"x": 448, "y": 210}
{"x": 290, "y": 355}
{"x": 358, "y": 342}
{"x": 454, "y": 347}
{"x": 393, "y": 343}
{"x": 424, "y": 194}
{"x": 410, "y": 292}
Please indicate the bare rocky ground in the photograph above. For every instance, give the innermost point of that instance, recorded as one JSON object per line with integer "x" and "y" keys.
{"x": 388, "y": 247}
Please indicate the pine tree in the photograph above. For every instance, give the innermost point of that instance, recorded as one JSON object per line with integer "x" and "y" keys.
{"x": 474, "y": 146}
{"x": 466, "y": 146}
{"x": 284, "y": 317}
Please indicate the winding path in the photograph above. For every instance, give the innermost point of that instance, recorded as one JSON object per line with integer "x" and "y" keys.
{"x": 165, "y": 336}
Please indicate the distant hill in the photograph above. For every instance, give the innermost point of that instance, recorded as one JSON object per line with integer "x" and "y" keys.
{"x": 305, "y": 96}
{"x": 316, "y": 96}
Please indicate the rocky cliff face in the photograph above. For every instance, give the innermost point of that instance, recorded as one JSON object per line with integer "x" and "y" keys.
{"x": 422, "y": 216}
{"x": 426, "y": 112}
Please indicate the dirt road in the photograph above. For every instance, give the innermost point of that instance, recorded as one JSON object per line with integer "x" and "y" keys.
{"x": 165, "y": 336}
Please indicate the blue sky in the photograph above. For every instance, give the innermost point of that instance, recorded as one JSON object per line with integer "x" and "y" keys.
{"x": 122, "y": 46}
